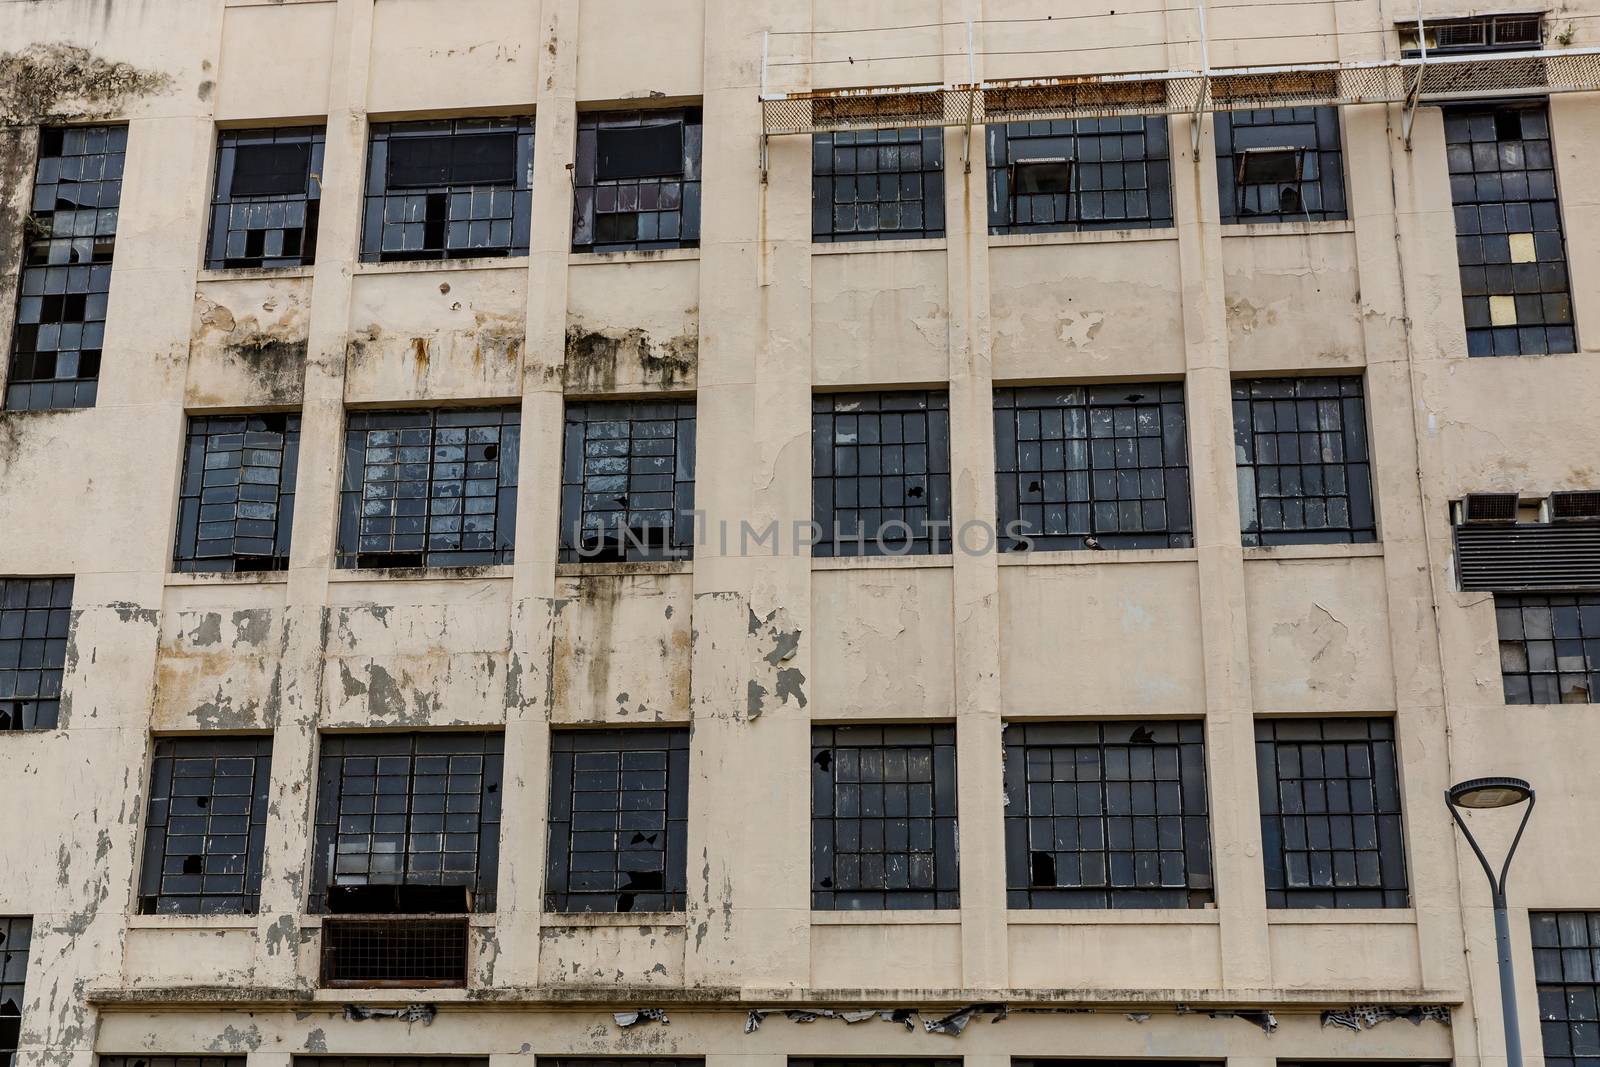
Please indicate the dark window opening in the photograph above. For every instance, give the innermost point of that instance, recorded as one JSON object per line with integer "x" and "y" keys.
{"x": 1280, "y": 165}
{"x": 880, "y": 473}
{"x": 1566, "y": 972}
{"x": 876, "y": 185}
{"x": 883, "y": 818}
{"x": 619, "y": 803}
{"x": 1516, "y": 296}
{"x": 448, "y": 189}
{"x": 1106, "y": 815}
{"x": 1079, "y": 174}
{"x": 16, "y": 935}
{"x": 1092, "y": 468}
{"x": 205, "y": 828}
{"x": 69, "y": 238}
{"x": 1482, "y": 33}
{"x": 627, "y": 481}
{"x": 268, "y": 194}
{"x": 394, "y": 952}
{"x": 1304, "y": 473}
{"x": 1549, "y": 648}
{"x": 408, "y": 811}
{"x": 35, "y": 619}
{"x": 1331, "y": 830}
{"x": 636, "y": 181}
{"x": 429, "y": 488}
{"x": 236, "y": 499}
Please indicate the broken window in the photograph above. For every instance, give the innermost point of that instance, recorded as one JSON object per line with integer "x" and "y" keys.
{"x": 206, "y": 825}
{"x": 35, "y": 618}
{"x": 1549, "y": 648}
{"x": 876, "y": 1061}
{"x": 171, "y": 1061}
{"x": 1301, "y": 449}
{"x": 1106, "y": 815}
{"x": 1330, "y": 813}
{"x": 1280, "y": 165}
{"x": 1102, "y": 466}
{"x": 1514, "y": 286}
{"x": 408, "y": 823}
{"x": 876, "y": 185}
{"x": 429, "y": 488}
{"x": 69, "y": 236}
{"x": 269, "y": 188}
{"x": 1480, "y": 33}
{"x": 1566, "y": 970}
{"x": 880, "y": 473}
{"x": 637, "y": 181}
{"x": 619, "y": 808}
{"x": 628, "y": 1061}
{"x": 883, "y": 818}
{"x": 1079, "y": 174}
{"x": 236, "y": 500}
{"x": 627, "y": 481}
{"x": 448, "y": 189}
{"x": 16, "y": 933}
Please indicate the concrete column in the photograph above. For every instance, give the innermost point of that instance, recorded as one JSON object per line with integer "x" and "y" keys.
{"x": 1575, "y": 137}
{"x": 19, "y": 147}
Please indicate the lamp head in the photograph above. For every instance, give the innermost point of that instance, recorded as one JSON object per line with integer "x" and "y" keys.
{"x": 1489, "y": 793}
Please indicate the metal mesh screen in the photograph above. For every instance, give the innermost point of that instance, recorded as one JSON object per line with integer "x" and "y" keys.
{"x": 394, "y": 952}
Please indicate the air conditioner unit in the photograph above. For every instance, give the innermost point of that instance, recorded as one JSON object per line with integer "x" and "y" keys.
{"x": 1487, "y": 509}
{"x": 1578, "y": 506}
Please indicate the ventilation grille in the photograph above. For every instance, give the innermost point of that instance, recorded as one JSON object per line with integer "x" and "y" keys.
{"x": 1487, "y": 508}
{"x": 1529, "y": 557}
{"x": 394, "y": 952}
{"x": 1575, "y": 507}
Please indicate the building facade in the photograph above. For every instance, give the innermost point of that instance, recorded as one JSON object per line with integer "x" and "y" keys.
{"x": 513, "y": 547}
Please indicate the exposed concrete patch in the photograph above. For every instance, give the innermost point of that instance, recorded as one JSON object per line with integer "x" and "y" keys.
{"x": 64, "y": 81}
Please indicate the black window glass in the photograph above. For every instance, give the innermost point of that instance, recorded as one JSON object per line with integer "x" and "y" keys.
{"x": 35, "y": 619}
{"x": 1280, "y": 164}
{"x": 873, "y": 185}
{"x": 639, "y": 151}
{"x": 271, "y": 169}
{"x": 1549, "y": 648}
{"x": 1079, "y": 174}
{"x": 636, "y": 180}
{"x": 880, "y": 473}
{"x": 236, "y": 498}
{"x": 454, "y": 159}
{"x": 627, "y": 481}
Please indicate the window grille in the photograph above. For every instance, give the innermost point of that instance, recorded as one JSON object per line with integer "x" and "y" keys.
{"x": 394, "y": 952}
{"x": 1566, "y": 970}
{"x": 627, "y": 481}
{"x": 1103, "y": 466}
{"x": 619, "y": 803}
{"x": 883, "y": 818}
{"x": 1301, "y": 451}
{"x": 1330, "y": 813}
{"x": 1106, "y": 815}
{"x": 236, "y": 500}
{"x": 69, "y": 237}
{"x": 876, "y": 185}
{"x": 636, "y": 181}
{"x": 206, "y": 825}
{"x": 448, "y": 189}
{"x": 1515, "y": 292}
{"x": 429, "y": 488}
{"x": 880, "y": 473}
{"x": 268, "y": 193}
{"x": 419, "y": 809}
{"x": 1549, "y": 648}
{"x": 35, "y": 619}
{"x": 171, "y": 1061}
{"x": 16, "y": 934}
{"x": 1079, "y": 174}
{"x": 1280, "y": 165}
{"x": 1482, "y": 33}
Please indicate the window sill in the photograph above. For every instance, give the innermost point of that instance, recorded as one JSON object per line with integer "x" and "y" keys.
{"x": 882, "y": 563}
{"x": 418, "y": 574}
{"x": 1081, "y": 557}
{"x": 228, "y": 578}
{"x": 1341, "y": 917}
{"x": 1082, "y": 237}
{"x": 1330, "y": 551}
{"x": 427, "y": 266}
{"x": 917, "y": 917}
{"x": 593, "y": 570}
{"x": 230, "y": 274}
{"x": 639, "y": 919}
{"x": 915, "y": 244}
{"x": 653, "y": 255}
{"x": 1282, "y": 229}
{"x": 1115, "y": 917}
{"x": 232, "y": 921}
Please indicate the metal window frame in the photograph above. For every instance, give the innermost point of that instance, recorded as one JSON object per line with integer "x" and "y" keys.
{"x": 1325, "y": 185}
{"x": 198, "y": 502}
{"x": 929, "y": 173}
{"x": 35, "y": 626}
{"x": 591, "y": 532}
{"x": 569, "y": 866}
{"x": 589, "y": 189}
{"x": 1100, "y": 149}
{"x": 173, "y": 791}
{"x": 1565, "y": 665}
{"x": 1560, "y": 938}
{"x": 232, "y": 215}
{"x": 16, "y": 939}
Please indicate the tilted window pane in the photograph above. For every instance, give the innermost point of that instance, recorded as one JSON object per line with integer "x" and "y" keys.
{"x": 883, "y": 818}
{"x": 636, "y": 180}
{"x": 1079, "y": 174}
{"x": 448, "y": 189}
{"x": 1514, "y": 286}
{"x": 1330, "y": 813}
{"x": 1105, "y": 466}
{"x": 16, "y": 935}
{"x": 880, "y": 473}
{"x": 435, "y": 488}
{"x": 1106, "y": 815}
{"x": 627, "y": 481}
{"x": 1304, "y": 473}
{"x": 619, "y": 803}
{"x": 268, "y": 194}
{"x": 206, "y": 825}
{"x": 1549, "y": 648}
{"x": 875, "y": 185}
{"x": 35, "y": 621}
{"x": 70, "y": 235}
{"x": 420, "y": 809}
{"x": 1280, "y": 165}
{"x": 1566, "y": 972}
{"x": 236, "y": 499}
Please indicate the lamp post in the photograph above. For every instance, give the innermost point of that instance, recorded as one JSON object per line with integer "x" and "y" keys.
{"x": 1497, "y": 793}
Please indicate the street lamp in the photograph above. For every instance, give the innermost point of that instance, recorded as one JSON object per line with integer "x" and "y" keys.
{"x": 1497, "y": 793}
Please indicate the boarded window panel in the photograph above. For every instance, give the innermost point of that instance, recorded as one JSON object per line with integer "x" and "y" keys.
{"x": 1280, "y": 165}
{"x": 457, "y": 159}
{"x": 636, "y": 180}
{"x": 874, "y": 185}
{"x": 1115, "y": 174}
{"x": 16, "y": 935}
{"x": 627, "y": 482}
{"x": 35, "y": 621}
{"x": 880, "y": 473}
